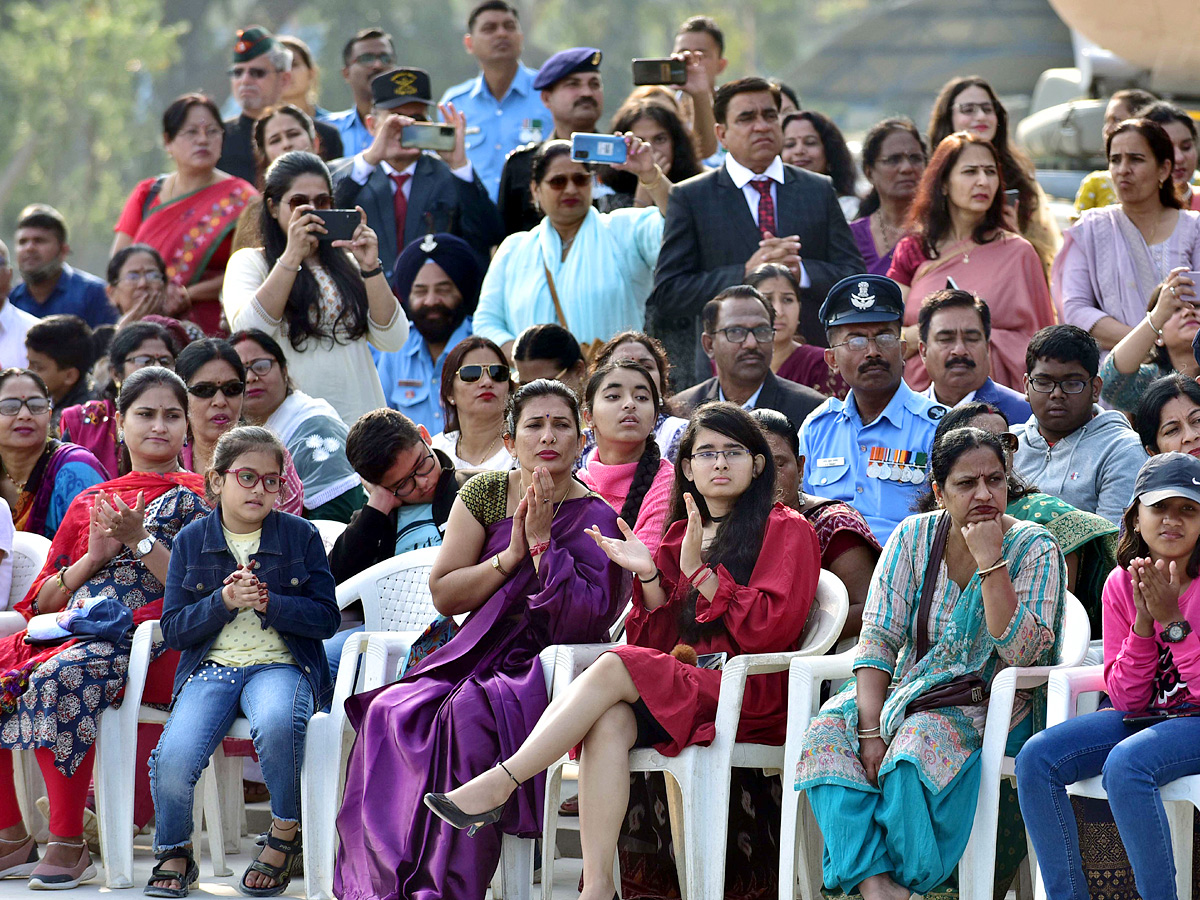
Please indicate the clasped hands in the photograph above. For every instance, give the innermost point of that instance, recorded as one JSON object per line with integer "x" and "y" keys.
{"x": 782, "y": 250}
{"x": 243, "y": 590}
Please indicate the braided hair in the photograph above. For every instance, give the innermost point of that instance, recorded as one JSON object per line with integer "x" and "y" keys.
{"x": 647, "y": 467}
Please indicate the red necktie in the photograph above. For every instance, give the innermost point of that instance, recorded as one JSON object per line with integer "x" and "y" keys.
{"x": 400, "y": 202}
{"x": 766, "y": 207}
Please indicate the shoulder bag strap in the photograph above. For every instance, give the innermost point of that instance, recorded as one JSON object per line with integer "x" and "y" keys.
{"x": 929, "y": 584}
{"x": 152, "y": 195}
{"x": 558, "y": 310}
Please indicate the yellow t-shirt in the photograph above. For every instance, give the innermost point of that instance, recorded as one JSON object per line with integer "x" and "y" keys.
{"x": 244, "y": 642}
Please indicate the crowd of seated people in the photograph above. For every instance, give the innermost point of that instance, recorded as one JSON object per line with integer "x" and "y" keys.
{"x": 650, "y": 399}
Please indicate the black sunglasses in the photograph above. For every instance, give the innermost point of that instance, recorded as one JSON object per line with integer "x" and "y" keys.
{"x": 206, "y": 390}
{"x": 472, "y": 373}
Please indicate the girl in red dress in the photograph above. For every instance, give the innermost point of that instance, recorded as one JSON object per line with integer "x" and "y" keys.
{"x": 708, "y": 587}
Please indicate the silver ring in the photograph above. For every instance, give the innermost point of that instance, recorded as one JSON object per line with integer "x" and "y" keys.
{"x": 545, "y": 501}
{"x": 1172, "y": 290}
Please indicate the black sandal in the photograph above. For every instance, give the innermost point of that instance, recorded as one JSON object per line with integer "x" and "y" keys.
{"x": 186, "y": 878}
{"x": 281, "y": 874}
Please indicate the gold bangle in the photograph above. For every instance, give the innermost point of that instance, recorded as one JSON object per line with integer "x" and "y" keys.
{"x": 988, "y": 571}
{"x": 651, "y": 185}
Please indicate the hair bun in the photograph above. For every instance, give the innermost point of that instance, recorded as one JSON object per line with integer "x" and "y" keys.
{"x": 686, "y": 654}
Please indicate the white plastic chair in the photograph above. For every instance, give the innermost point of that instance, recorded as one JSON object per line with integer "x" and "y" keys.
{"x": 698, "y": 787}
{"x": 29, "y": 553}
{"x": 800, "y": 840}
{"x": 330, "y": 531}
{"x": 1068, "y": 698}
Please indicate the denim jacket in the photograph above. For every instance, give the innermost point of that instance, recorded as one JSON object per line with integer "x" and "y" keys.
{"x": 301, "y": 605}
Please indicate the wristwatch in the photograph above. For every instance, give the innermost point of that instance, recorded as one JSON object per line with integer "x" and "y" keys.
{"x": 1176, "y": 632}
{"x": 144, "y": 546}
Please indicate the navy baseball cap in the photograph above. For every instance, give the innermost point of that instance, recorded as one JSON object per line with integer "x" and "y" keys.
{"x": 567, "y": 62}
{"x": 862, "y": 298}
{"x": 400, "y": 86}
{"x": 1168, "y": 475}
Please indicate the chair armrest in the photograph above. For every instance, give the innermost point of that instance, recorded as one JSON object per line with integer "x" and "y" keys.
{"x": 570, "y": 660}
{"x": 1066, "y": 685}
{"x": 11, "y": 623}
{"x": 733, "y": 687}
{"x": 385, "y": 650}
{"x": 351, "y": 589}
{"x": 139, "y": 661}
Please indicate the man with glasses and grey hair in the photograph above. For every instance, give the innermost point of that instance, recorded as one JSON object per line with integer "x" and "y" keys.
{"x": 870, "y": 450}
{"x": 14, "y": 322}
{"x": 739, "y": 330}
{"x": 261, "y": 70}
{"x": 1070, "y": 447}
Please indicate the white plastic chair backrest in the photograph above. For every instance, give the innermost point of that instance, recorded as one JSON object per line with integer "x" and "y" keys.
{"x": 395, "y": 593}
{"x": 28, "y": 557}
{"x": 825, "y": 622}
{"x": 1077, "y": 632}
{"x": 330, "y": 531}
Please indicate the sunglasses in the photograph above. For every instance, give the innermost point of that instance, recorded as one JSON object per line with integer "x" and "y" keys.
{"x": 472, "y": 373}
{"x": 11, "y": 406}
{"x": 248, "y": 478}
{"x": 369, "y": 59}
{"x": 206, "y": 390}
{"x": 579, "y": 179}
{"x": 321, "y": 201}
{"x": 253, "y": 71}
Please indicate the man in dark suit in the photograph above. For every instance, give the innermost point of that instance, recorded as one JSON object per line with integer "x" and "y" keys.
{"x": 754, "y": 209}
{"x": 739, "y": 329}
{"x": 405, "y": 192}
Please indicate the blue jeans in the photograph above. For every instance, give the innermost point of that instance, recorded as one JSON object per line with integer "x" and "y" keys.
{"x": 278, "y": 701}
{"x": 1134, "y": 763}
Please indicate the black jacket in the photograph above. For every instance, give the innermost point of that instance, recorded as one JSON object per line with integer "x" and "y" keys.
{"x": 795, "y": 401}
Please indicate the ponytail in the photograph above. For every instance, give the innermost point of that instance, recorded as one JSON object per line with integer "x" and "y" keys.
{"x": 643, "y": 479}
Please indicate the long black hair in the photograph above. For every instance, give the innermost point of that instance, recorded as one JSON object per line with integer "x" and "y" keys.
{"x": 839, "y": 164}
{"x": 647, "y": 467}
{"x": 738, "y": 541}
{"x": 684, "y": 163}
{"x": 303, "y": 309}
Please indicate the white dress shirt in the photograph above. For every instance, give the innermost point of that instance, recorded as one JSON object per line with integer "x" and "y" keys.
{"x": 14, "y": 324}
{"x": 361, "y": 171}
{"x": 742, "y": 177}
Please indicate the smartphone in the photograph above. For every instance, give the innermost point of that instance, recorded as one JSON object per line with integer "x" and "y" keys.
{"x": 1011, "y": 196}
{"x": 339, "y": 223}
{"x": 711, "y": 661}
{"x": 660, "y": 70}
{"x": 427, "y": 136}
{"x": 1154, "y": 716}
{"x": 597, "y": 148}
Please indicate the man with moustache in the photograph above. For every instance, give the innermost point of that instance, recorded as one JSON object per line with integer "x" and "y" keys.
{"x": 368, "y": 53}
{"x": 955, "y": 327}
{"x": 571, "y": 89}
{"x": 49, "y": 286}
{"x": 739, "y": 329}
{"x": 870, "y": 450}
{"x": 437, "y": 280}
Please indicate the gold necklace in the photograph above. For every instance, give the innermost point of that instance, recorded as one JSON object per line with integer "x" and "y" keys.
{"x": 19, "y": 485}
{"x": 887, "y": 232}
{"x": 486, "y": 456}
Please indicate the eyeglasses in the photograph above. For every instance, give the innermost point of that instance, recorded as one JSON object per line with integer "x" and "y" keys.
{"x": 145, "y": 359}
{"x": 969, "y": 109}
{"x": 558, "y": 182}
{"x": 151, "y": 277}
{"x": 883, "y": 342}
{"x": 405, "y": 486}
{"x": 1044, "y": 385}
{"x": 370, "y": 59}
{"x": 472, "y": 373}
{"x": 737, "y": 334}
{"x": 194, "y": 134}
{"x": 206, "y": 390}
{"x": 248, "y": 478}
{"x": 11, "y": 406}
{"x": 732, "y": 455}
{"x": 321, "y": 201}
{"x": 916, "y": 160}
{"x": 260, "y": 367}
{"x": 253, "y": 71}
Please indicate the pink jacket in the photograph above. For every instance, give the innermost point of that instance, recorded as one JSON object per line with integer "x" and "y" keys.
{"x": 1145, "y": 672}
{"x": 613, "y": 483}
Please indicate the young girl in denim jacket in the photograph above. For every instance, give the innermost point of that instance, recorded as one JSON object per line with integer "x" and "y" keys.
{"x": 249, "y": 598}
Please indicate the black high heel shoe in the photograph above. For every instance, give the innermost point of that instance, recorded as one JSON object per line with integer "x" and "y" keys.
{"x": 446, "y": 810}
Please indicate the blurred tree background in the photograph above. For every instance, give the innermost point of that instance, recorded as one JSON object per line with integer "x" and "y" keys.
{"x": 84, "y": 82}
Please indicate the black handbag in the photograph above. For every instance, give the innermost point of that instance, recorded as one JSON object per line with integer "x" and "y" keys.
{"x": 965, "y": 690}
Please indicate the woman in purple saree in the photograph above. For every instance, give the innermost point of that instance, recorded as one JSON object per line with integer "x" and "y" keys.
{"x": 517, "y": 557}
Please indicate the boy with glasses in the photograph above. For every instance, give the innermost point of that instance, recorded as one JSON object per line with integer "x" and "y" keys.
{"x": 1070, "y": 447}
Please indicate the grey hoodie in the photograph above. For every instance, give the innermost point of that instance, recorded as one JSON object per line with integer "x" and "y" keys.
{"x": 1093, "y": 468}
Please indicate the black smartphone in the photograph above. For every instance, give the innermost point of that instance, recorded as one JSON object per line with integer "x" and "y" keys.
{"x": 660, "y": 70}
{"x": 1154, "y": 716}
{"x": 1011, "y": 196}
{"x": 339, "y": 223}
{"x": 427, "y": 136}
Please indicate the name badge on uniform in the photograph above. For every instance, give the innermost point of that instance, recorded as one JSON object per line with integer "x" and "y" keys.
{"x": 409, "y": 382}
{"x": 830, "y": 461}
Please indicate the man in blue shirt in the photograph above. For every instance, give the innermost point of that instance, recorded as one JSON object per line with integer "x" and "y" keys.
{"x": 870, "y": 450}
{"x": 369, "y": 53}
{"x": 501, "y": 101}
{"x": 437, "y": 280}
{"x": 49, "y": 286}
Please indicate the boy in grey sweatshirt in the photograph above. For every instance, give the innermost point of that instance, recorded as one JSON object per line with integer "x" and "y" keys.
{"x": 1070, "y": 447}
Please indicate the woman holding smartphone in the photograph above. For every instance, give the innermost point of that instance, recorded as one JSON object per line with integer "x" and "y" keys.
{"x": 324, "y": 304}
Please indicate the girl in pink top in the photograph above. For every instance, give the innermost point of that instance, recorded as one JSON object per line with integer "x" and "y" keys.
{"x": 1151, "y": 663}
{"x": 626, "y": 470}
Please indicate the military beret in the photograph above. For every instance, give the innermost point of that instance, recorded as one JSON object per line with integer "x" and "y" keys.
{"x": 567, "y": 62}
{"x": 252, "y": 43}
